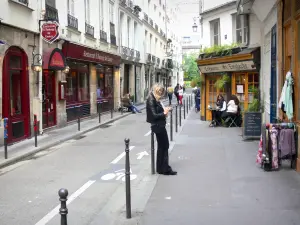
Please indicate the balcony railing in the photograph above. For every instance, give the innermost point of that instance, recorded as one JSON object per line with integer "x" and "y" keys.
{"x": 156, "y": 27}
{"x": 112, "y": 29}
{"x": 151, "y": 22}
{"x": 113, "y": 40}
{"x": 125, "y": 51}
{"x": 51, "y": 13}
{"x": 145, "y": 17}
{"x": 72, "y": 22}
{"x": 103, "y": 36}
{"x": 149, "y": 56}
{"x": 137, "y": 55}
{"x": 131, "y": 53}
{"x": 153, "y": 59}
{"x": 89, "y": 29}
{"x": 25, "y": 2}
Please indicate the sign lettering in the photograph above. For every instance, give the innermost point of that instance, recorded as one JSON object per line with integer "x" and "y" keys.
{"x": 227, "y": 67}
{"x": 49, "y": 31}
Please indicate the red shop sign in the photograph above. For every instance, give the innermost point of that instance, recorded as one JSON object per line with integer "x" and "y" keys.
{"x": 50, "y": 31}
{"x": 74, "y": 51}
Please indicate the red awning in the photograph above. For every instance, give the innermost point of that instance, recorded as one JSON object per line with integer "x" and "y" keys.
{"x": 53, "y": 59}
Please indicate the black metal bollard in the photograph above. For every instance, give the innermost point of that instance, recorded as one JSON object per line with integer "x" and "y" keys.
{"x": 112, "y": 113}
{"x": 187, "y": 107}
{"x": 180, "y": 108}
{"x": 63, "y": 211}
{"x": 35, "y": 129}
{"x": 127, "y": 180}
{"x": 190, "y": 102}
{"x": 5, "y": 124}
{"x": 99, "y": 111}
{"x": 78, "y": 119}
{"x": 171, "y": 125}
{"x": 152, "y": 154}
{"x": 176, "y": 120}
{"x": 184, "y": 108}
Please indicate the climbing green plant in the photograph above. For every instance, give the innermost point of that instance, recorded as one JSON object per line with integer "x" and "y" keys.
{"x": 220, "y": 83}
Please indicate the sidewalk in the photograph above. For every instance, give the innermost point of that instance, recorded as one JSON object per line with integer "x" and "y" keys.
{"x": 21, "y": 150}
{"x": 218, "y": 183}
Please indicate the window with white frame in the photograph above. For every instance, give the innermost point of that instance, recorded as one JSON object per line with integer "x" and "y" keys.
{"x": 240, "y": 28}
{"x": 71, "y": 7}
{"x": 215, "y": 32}
{"x": 111, "y": 12}
{"x": 87, "y": 11}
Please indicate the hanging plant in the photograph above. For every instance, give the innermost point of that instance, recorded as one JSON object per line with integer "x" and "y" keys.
{"x": 197, "y": 81}
{"x": 220, "y": 83}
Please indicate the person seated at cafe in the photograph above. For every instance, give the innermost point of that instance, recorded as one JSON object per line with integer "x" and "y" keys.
{"x": 220, "y": 107}
{"x": 126, "y": 102}
{"x": 232, "y": 107}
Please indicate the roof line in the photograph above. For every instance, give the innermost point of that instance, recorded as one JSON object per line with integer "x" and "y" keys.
{"x": 227, "y": 4}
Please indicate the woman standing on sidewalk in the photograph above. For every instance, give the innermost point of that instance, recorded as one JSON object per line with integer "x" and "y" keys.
{"x": 156, "y": 116}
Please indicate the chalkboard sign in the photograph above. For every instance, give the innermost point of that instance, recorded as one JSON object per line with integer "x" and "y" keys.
{"x": 252, "y": 125}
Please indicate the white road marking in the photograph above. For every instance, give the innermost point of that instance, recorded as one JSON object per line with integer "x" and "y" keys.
{"x": 168, "y": 198}
{"x": 147, "y": 134}
{"x": 55, "y": 211}
{"x": 142, "y": 154}
{"x": 116, "y": 160}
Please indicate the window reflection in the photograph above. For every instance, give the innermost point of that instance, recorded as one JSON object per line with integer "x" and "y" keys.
{"x": 15, "y": 93}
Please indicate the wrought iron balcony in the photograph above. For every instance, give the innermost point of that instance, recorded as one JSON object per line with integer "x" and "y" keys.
{"x": 103, "y": 36}
{"x": 72, "y": 22}
{"x": 51, "y": 13}
{"x": 158, "y": 61}
{"x": 25, "y": 2}
{"x": 112, "y": 29}
{"x": 89, "y": 29}
{"x": 149, "y": 56}
{"x": 153, "y": 59}
{"x": 146, "y": 17}
{"x": 124, "y": 51}
{"x": 123, "y": 2}
{"x": 151, "y": 22}
{"x": 113, "y": 40}
{"x": 131, "y": 53}
{"x": 137, "y": 55}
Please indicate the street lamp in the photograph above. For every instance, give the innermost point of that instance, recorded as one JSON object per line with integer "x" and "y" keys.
{"x": 36, "y": 64}
{"x": 66, "y": 70}
{"x": 195, "y": 27}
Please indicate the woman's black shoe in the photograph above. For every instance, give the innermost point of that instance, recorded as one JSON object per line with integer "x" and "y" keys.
{"x": 170, "y": 173}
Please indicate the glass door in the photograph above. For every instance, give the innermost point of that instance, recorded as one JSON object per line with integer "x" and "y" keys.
{"x": 49, "y": 101}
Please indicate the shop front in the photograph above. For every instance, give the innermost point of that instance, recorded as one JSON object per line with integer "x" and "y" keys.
{"x": 53, "y": 61}
{"x": 90, "y": 81}
{"x": 15, "y": 94}
{"x": 238, "y": 74}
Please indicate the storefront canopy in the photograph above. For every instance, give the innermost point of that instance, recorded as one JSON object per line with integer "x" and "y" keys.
{"x": 53, "y": 59}
{"x": 246, "y": 60}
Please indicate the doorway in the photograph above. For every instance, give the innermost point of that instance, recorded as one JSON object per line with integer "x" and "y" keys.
{"x": 126, "y": 79}
{"x": 15, "y": 92}
{"x": 273, "y": 91}
{"x": 49, "y": 100}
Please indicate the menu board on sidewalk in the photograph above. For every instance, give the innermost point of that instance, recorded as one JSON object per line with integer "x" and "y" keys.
{"x": 252, "y": 125}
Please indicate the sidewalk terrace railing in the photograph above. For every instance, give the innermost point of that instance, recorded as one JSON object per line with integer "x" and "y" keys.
{"x": 151, "y": 22}
{"x": 146, "y": 17}
{"x": 89, "y": 30}
{"x": 72, "y": 22}
{"x": 103, "y": 36}
{"x": 51, "y": 13}
{"x": 137, "y": 55}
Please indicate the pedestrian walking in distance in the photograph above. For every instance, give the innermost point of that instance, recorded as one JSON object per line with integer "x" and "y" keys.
{"x": 170, "y": 91}
{"x": 156, "y": 116}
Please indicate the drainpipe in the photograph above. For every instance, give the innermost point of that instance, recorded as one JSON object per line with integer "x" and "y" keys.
{"x": 41, "y": 72}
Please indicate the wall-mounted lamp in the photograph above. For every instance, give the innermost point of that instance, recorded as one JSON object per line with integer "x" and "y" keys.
{"x": 66, "y": 70}
{"x": 195, "y": 27}
{"x": 36, "y": 62}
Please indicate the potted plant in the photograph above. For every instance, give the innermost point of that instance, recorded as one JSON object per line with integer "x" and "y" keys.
{"x": 137, "y": 9}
